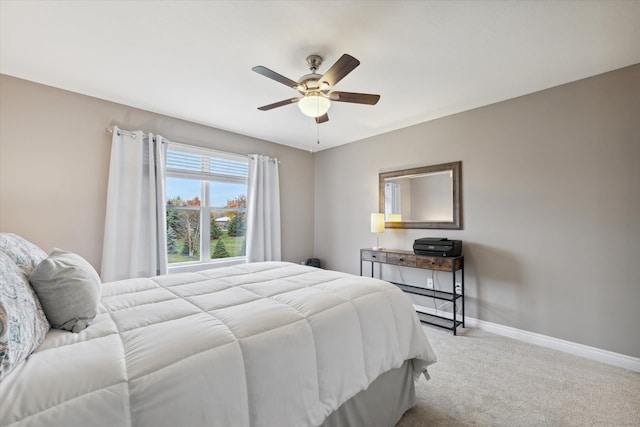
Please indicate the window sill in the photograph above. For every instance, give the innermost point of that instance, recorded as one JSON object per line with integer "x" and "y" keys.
{"x": 192, "y": 267}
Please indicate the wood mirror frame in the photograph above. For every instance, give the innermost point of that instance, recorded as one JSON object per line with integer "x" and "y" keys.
{"x": 456, "y": 171}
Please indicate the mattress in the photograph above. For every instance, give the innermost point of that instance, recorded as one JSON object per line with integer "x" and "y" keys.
{"x": 259, "y": 344}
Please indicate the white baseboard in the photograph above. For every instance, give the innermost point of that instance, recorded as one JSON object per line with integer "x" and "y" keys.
{"x": 592, "y": 353}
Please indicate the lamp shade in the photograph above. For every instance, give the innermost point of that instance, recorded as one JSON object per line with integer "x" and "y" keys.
{"x": 377, "y": 223}
{"x": 314, "y": 105}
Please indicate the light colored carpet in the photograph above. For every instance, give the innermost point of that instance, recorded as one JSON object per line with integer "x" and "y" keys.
{"x": 482, "y": 379}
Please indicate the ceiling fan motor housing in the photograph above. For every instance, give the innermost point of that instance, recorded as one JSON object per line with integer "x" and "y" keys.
{"x": 311, "y": 83}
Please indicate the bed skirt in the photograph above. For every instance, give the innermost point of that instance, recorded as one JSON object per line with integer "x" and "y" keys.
{"x": 380, "y": 405}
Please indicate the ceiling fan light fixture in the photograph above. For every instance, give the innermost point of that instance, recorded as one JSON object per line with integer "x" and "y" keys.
{"x": 314, "y": 105}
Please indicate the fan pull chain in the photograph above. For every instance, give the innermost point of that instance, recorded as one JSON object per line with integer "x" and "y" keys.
{"x": 317, "y": 137}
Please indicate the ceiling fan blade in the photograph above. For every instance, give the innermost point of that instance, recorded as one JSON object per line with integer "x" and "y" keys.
{"x": 357, "y": 98}
{"x": 278, "y": 104}
{"x": 341, "y": 68}
{"x": 275, "y": 76}
{"x": 323, "y": 118}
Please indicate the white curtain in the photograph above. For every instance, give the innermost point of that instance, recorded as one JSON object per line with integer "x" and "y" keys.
{"x": 135, "y": 236}
{"x": 263, "y": 210}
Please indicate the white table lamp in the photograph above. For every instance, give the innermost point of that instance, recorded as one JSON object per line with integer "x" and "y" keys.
{"x": 377, "y": 226}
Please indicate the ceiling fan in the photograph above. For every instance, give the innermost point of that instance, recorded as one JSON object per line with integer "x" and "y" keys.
{"x": 315, "y": 88}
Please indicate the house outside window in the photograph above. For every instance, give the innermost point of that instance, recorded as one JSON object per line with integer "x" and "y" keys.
{"x": 206, "y": 194}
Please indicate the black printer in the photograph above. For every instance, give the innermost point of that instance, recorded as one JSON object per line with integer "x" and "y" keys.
{"x": 437, "y": 246}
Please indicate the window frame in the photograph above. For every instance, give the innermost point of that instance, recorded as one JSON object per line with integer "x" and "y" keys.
{"x": 205, "y": 179}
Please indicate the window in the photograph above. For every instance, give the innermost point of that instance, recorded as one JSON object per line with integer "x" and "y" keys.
{"x": 206, "y": 195}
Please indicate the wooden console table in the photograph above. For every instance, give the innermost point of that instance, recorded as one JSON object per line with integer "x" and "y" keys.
{"x": 409, "y": 259}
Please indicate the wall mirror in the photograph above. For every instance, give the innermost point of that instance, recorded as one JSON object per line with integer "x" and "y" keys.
{"x": 423, "y": 197}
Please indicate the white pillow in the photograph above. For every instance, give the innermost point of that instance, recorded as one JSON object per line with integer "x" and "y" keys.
{"x": 69, "y": 290}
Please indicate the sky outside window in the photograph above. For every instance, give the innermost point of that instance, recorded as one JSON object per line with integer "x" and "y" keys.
{"x": 219, "y": 192}
{"x": 186, "y": 189}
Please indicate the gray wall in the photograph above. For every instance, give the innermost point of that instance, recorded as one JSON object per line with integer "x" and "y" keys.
{"x": 551, "y": 207}
{"x": 54, "y": 163}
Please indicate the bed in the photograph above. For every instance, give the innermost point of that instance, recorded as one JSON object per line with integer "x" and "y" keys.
{"x": 258, "y": 344}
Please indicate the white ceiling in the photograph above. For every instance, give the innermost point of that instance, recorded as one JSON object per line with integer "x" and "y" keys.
{"x": 427, "y": 59}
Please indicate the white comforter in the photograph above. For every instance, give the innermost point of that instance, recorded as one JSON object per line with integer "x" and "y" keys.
{"x": 264, "y": 344}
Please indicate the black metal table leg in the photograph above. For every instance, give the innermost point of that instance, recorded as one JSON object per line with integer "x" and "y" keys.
{"x": 463, "y": 296}
{"x": 455, "y": 297}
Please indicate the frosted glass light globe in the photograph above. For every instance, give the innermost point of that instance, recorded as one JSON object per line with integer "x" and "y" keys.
{"x": 314, "y": 105}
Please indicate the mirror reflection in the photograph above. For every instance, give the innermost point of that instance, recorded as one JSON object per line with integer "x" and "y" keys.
{"x": 431, "y": 194}
{"x": 425, "y": 197}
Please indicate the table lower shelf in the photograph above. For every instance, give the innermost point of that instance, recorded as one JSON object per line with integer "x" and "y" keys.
{"x": 441, "y": 322}
{"x": 431, "y": 293}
